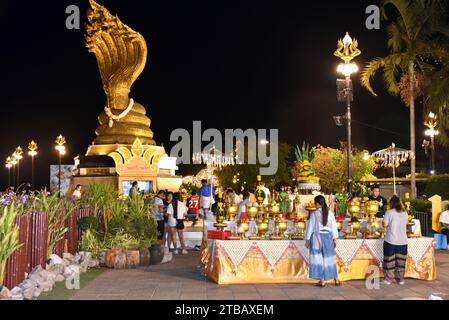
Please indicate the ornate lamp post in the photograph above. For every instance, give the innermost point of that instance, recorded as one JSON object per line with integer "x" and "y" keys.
{"x": 14, "y": 162}
{"x": 8, "y": 165}
{"x": 432, "y": 123}
{"x": 32, "y": 146}
{"x": 60, "y": 142}
{"x": 19, "y": 156}
{"x": 347, "y": 50}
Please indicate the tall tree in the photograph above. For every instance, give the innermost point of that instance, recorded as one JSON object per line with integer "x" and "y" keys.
{"x": 412, "y": 55}
{"x": 245, "y": 175}
{"x": 438, "y": 92}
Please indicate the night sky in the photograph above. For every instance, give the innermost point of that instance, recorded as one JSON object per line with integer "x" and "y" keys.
{"x": 231, "y": 64}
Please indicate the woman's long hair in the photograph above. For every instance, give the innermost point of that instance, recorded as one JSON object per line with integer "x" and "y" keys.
{"x": 174, "y": 203}
{"x": 396, "y": 203}
{"x": 325, "y": 209}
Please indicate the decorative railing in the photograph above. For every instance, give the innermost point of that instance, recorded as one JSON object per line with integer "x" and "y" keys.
{"x": 425, "y": 219}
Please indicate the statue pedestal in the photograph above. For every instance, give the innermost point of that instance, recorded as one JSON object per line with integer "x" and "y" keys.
{"x": 148, "y": 165}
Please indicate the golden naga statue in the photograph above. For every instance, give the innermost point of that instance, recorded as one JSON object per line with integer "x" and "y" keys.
{"x": 121, "y": 54}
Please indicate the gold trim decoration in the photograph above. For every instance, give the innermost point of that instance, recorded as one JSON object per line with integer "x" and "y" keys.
{"x": 117, "y": 158}
{"x": 139, "y": 161}
{"x": 125, "y": 153}
{"x": 137, "y": 148}
{"x": 251, "y": 262}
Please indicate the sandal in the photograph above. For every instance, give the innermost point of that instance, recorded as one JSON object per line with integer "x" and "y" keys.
{"x": 320, "y": 284}
{"x": 337, "y": 283}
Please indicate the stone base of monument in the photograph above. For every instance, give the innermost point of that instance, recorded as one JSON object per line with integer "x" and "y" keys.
{"x": 94, "y": 169}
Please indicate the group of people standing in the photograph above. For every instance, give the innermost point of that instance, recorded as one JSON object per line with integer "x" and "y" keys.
{"x": 322, "y": 234}
{"x": 169, "y": 212}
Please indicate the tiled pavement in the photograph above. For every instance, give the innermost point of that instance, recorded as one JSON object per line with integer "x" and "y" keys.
{"x": 181, "y": 280}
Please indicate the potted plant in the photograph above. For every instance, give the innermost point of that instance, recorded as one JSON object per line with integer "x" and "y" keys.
{"x": 143, "y": 226}
{"x": 123, "y": 251}
{"x": 157, "y": 252}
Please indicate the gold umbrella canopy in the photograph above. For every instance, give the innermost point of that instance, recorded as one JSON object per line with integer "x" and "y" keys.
{"x": 392, "y": 157}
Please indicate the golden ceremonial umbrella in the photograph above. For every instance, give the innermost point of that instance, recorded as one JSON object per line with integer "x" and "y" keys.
{"x": 392, "y": 157}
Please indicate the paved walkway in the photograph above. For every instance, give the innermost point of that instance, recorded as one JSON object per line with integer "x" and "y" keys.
{"x": 181, "y": 280}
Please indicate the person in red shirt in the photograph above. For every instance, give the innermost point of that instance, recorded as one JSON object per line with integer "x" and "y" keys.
{"x": 193, "y": 208}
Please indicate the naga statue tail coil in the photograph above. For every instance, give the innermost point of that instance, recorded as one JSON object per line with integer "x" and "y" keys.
{"x": 121, "y": 54}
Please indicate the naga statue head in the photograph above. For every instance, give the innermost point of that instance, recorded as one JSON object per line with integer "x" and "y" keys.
{"x": 121, "y": 55}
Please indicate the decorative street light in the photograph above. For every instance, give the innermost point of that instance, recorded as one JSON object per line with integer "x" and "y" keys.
{"x": 14, "y": 162}
{"x": 19, "y": 156}
{"x": 60, "y": 142}
{"x": 8, "y": 165}
{"x": 347, "y": 50}
{"x": 432, "y": 123}
{"x": 32, "y": 146}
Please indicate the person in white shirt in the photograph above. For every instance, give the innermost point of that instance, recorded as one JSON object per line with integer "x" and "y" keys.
{"x": 242, "y": 206}
{"x": 76, "y": 195}
{"x": 176, "y": 212}
{"x": 265, "y": 190}
{"x": 158, "y": 213}
{"x": 321, "y": 237}
{"x": 444, "y": 223}
{"x": 395, "y": 242}
{"x": 206, "y": 193}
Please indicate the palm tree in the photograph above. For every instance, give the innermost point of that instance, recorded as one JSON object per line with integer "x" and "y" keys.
{"x": 438, "y": 99}
{"x": 412, "y": 55}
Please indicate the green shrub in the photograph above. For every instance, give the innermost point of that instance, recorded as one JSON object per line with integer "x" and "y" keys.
{"x": 117, "y": 224}
{"x": 86, "y": 223}
{"x": 144, "y": 227}
{"x": 122, "y": 240}
{"x": 438, "y": 184}
{"x": 420, "y": 205}
{"x": 419, "y": 175}
{"x": 91, "y": 243}
{"x": 142, "y": 224}
{"x": 9, "y": 237}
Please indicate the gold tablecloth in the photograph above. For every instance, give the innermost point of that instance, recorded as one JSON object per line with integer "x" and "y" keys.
{"x": 245, "y": 261}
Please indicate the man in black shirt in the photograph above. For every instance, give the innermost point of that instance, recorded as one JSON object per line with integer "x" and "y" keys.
{"x": 375, "y": 195}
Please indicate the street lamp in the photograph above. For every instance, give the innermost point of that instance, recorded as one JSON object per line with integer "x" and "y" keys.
{"x": 14, "y": 163}
{"x": 60, "y": 142}
{"x": 8, "y": 165}
{"x": 432, "y": 123}
{"x": 32, "y": 146}
{"x": 19, "y": 156}
{"x": 347, "y": 50}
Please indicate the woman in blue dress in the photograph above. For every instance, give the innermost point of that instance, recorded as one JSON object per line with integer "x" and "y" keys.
{"x": 321, "y": 237}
